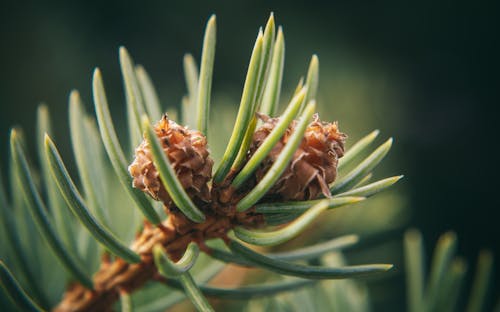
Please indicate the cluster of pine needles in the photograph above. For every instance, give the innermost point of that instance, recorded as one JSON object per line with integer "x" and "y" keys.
{"x": 57, "y": 233}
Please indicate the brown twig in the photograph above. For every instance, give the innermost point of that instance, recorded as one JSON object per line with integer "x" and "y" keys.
{"x": 174, "y": 235}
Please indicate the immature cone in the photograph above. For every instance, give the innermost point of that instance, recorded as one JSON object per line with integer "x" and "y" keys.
{"x": 314, "y": 164}
{"x": 187, "y": 152}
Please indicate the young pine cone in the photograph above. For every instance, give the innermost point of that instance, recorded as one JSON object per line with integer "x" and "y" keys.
{"x": 187, "y": 152}
{"x": 314, "y": 164}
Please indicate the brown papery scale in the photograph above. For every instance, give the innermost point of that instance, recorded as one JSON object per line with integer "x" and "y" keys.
{"x": 188, "y": 154}
{"x": 312, "y": 168}
{"x": 314, "y": 163}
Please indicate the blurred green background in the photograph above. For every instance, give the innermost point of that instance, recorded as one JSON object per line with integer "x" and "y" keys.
{"x": 425, "y": 73}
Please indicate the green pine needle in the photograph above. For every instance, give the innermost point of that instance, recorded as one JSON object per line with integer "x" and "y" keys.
{"x": 173, "y": 269}
{"x": 126, "y": 302}
{"x": 482, "y": 281}
{"x": 189, "y": 102}
{"x": 358, "y": 148}
{"x": 299, "y": 86}
{"x": 372, "y": 188}
{"x": 181, "y": 269}
{"x": 364, "y": 168}
{"x": 415, "y": 272}
{"x": 274, "y": 173}
{"x": 267, "y": 47}
{"x": 318, "y": 250}
{"x": 273, "y": 137}
{"x": 205, "y": 81}
{"x": 272, "y": 91}
{"x": 114, "y": 150}
{"x": 363, "y": 181}
{"x": 442, "y": 258}
{"x": 17, "y": 255}
{"x": 149, "y": 94}
{"x": 245, "y": 145}
{"x": 449, "y": 291}
{"x": 169, "y": 177}
{"x": 79, "y": 208}
{"x": 302, "y": 206}
{"x": 267, "y": 51}
{"x": 286, "y": 233}
{"x": 57, "y": 205}
{"x": 12, "y": 288}
{"x": 194, "y": 293}
{"x": 89, "y": 161}
{"x": 245, "y": 112}
{"x": 135, "y": 106}
{"x": 306, "y": 271}
{"x": 250, "y": 291}
{"x": 306, "y": 253}
{"x": 312, "y": 80}
{"x": 39, "y": 214}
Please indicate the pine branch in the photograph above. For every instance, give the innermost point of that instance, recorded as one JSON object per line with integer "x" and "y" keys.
{"x": 274, "y": 170}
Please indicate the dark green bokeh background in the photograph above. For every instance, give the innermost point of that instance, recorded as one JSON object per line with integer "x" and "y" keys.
{"x": 425, "y": 73}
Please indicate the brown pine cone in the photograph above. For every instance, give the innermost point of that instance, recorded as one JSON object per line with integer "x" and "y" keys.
{"x": 314, "y": 164}
{"x": 188, "y": 153}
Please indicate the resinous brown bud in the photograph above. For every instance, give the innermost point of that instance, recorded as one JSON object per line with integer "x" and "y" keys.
{"x": 188, "y": 153}
{"x": 314, "y": 164}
